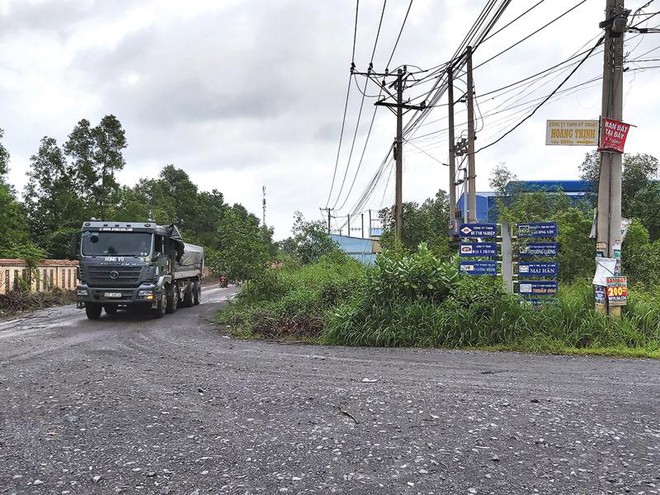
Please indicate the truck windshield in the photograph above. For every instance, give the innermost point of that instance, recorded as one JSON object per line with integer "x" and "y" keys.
{"x": 116, "y": 244}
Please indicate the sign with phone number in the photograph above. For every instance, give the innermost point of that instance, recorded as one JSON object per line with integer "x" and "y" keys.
{"x": 617, "y": 291}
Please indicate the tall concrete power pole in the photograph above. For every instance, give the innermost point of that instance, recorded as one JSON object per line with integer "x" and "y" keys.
{"x": 398, "y": 148}
{"x": 472, "y": 174}
{"x": 452, "y": 147}
{"x": 608, "y": 227}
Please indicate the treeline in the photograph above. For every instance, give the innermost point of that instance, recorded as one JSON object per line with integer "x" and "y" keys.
{"x": 427, "y": 222}
{"x": 73, "y": 182}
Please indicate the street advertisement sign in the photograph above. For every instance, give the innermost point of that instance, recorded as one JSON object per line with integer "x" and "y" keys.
{"x": 617, "y": 291}
{"x": 571, "y": 132}
{"x": 537, "y": 229}
{"x": 473, "y": 230}
{"x": 470, "y": 249}
{"x": 538, "y": 288}
{"x": 538, "y": 249}
{"x": 614, "y": 134}
{"x": 605, "y": 268}
{"x": 478, "y": 267}
{"x": 538, "y": 269}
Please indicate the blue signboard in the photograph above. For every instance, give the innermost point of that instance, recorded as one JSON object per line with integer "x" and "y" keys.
{"x": 537, "y": 288}
{"x": 538, "y": 249}
{"x": 478, "y": 267}
{"x": 537, "y": 269}
{"x": 468, "y": 249}
{"x": 537, "y": 229}
{"x": 477, "y": 230}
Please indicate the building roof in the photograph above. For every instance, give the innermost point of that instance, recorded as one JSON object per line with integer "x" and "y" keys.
{"x": 567, "y": 186}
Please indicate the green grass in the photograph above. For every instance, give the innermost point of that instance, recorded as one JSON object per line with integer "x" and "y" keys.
{"x": 338, "y": 302}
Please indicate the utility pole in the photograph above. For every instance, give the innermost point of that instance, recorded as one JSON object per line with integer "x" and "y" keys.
{"x": 263, "y": 188}
{"x": 608, "y": 226}
{"x": 472, "y": 175}
{"x": 328, "y": 210}
{"x": 399, "y": 105}
{"x": 398, "y": 206}
{"x": 452, "y": 149}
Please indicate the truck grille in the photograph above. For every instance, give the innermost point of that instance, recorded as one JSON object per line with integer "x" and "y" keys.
{"x": 117, "y": 276}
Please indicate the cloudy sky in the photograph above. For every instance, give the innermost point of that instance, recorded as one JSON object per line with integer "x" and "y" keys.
{"x": 243, "y": 94}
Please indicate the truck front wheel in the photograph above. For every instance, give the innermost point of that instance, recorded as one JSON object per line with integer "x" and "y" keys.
{"x": 159, "y": 311}
{"x": 197, "y": 293}
{"x": 93, "y": 310}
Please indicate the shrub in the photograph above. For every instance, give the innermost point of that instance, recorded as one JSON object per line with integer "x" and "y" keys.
{"x": 420, "y": 275}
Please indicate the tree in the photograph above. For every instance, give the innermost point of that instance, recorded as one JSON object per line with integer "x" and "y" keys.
{"x": 310, "y": 240}
{"x": 174, "y": 192}
{"x": 51, "y": 199}
{"x": 13, "y": 227}
{"x": 242, "y": 252}
{"x": 500, "y": 176}
{"x": 96, "y": 155}
{"x": 645, "y": 205}
{"x": 426, "y": 223}
{"x": 639, "y": 171}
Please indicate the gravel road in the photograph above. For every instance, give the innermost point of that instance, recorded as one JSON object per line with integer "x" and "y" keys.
{"x": 128, "y": 404}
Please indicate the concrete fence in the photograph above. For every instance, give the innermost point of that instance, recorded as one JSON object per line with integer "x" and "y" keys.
{"x": 47, "y": 275}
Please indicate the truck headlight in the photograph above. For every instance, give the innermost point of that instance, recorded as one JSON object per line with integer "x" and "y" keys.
{"x": 82, "y": 292}
{"x": 147, "y": 294}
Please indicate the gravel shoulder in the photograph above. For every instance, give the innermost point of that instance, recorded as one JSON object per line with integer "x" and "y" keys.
{"x": 128, "y": 404}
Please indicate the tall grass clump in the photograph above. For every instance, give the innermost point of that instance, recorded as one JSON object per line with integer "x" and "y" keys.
{"x": 416, "y": 300}
{"x": 420, "y": 300}
{"x": 289, "y": 302}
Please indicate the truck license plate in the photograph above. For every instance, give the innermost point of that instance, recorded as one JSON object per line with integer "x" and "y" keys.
{"x": 112, "y": 294}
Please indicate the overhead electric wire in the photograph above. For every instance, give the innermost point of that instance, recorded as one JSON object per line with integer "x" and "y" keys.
{"x": 514, "y": 20}
{"x": 357, "y": 125}
{"x": 348, "y": 92}
{"x": 530, "y": 35}
{"x": 396, "y": 43}
{"x": 476, "y": 34}
{"x": 457, "y": 62}
{"x": 359, "y": 166}
{"x": 544, "y": 101}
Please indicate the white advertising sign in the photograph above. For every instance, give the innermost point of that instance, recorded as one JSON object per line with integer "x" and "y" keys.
{"x": 571, "y": 132}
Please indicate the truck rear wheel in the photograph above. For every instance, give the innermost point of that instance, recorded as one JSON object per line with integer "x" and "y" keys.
{"x": 172, "y": 292}
{"x": 188, "y": 295}
{"x": 93, "y": 310}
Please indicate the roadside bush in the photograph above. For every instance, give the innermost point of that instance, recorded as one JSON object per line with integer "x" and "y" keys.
{"x": 418, "y": 300}
{"x": 421, "y": 275}
{"x": 22, "y": 300}
{"x": 290, "y": 302}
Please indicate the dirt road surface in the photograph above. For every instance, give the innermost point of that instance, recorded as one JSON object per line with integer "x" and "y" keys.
{"x": 128, "y": 404}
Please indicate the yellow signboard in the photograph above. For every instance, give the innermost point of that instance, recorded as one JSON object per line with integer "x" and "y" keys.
{"x": 572, "y": 132}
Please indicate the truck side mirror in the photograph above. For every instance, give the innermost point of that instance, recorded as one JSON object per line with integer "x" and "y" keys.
{"x": 74, "y": 247}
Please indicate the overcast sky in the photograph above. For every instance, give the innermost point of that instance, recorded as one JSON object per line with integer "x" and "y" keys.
{"x": 249, "y": 93}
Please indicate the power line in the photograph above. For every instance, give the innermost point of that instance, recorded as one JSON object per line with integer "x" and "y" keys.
{"x": 357, "y": 125}
{"x": 543, "y": 102}
{"x": 348, "y": 92}
{"x": 396, "y": 43}
{"x": 531, "y": 34}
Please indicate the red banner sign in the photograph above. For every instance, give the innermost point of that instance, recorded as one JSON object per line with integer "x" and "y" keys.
{"x": 617, "y": 291}
{"x": 613, "y": 135}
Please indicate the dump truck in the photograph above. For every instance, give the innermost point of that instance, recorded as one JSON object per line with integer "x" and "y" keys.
{"x": 135, "y": 265}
